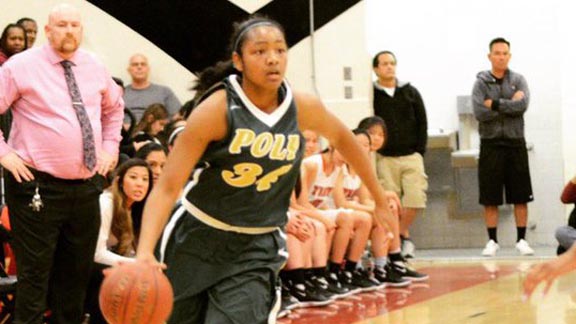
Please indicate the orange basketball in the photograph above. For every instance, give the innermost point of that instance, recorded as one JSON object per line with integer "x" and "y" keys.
{"x": 135, "y": 293}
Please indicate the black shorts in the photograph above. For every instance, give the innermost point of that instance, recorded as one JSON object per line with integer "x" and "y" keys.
{"x": 505, "y": 169}
{"x": 222, "y": 277}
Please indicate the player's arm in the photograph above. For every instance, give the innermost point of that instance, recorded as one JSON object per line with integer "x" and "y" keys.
{"x": 207, "y": 123}
{"x": 314, "y": 116}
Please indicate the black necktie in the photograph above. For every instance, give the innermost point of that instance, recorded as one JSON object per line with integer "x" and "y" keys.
{"x": 88, "y": 147}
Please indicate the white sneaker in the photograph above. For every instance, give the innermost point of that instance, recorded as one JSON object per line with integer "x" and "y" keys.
{"x": 524, "y": 247}
{"x": 490, "y": 248}
{"x": 408, "y": 249}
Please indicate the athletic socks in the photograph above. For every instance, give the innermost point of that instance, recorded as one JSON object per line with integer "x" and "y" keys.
{"x": 334, "y": 267}
{"x": 350, "y": 266}
{"x": 397, "y": 256}
{"x": 380, "y": 262}
{"x": 521, "y": 233}
{"x": 492, "y": 233}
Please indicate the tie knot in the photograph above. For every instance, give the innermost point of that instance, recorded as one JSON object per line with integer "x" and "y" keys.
{"x": 66, "y": 64}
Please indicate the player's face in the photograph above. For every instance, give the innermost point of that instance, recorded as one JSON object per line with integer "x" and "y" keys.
{"x": 377, "y": 137}
{"x": 15, "y": 40}
{"x": 499, "y": 56}
{"x": 311, "y": 146}
{"x": 386, "y": 69}
{"x": 264, "y": 58}
{"x": 135, "y": 183}
{"x": 156, "y": 161}
{"x": 64, "y": 31}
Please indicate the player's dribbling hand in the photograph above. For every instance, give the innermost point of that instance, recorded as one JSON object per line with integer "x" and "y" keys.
{"x": 150, "y": 259}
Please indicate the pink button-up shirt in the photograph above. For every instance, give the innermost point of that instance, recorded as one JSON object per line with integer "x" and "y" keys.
{"x": 45, "y": 130}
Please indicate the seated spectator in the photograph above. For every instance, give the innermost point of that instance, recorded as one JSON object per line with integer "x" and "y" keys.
{"x": 31, "y": 29}
{"x": 151, "y": 124}
{"x": 566, "y": 235}
{"x": 142, "y": 93}
{"x": 13, "y": 41}
{"x": 116, "y": 239}
{"x": 155, "y": 155}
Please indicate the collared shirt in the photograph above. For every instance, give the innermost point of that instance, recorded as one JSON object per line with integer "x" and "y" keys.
{"x": 45, "y": 131}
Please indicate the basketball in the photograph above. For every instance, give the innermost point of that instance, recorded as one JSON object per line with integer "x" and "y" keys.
{"x": 135, "y": 293}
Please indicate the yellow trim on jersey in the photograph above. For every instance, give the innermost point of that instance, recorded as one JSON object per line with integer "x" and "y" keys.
{"x": 213, "y": 222}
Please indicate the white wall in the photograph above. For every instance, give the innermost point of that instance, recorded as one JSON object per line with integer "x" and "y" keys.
{"x": 109, "y": 39}
{"x": 440, "y": 47}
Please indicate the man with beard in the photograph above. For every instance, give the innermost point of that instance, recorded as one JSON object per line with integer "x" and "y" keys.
{"x": 67, "y": 114}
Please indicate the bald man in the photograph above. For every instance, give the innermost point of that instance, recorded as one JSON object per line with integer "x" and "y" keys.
{"x": 65, "y": 135}
{"x": 142, "y": 93}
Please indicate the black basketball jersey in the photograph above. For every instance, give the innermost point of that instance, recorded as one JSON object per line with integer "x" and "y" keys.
{"x": 250, "y": 174}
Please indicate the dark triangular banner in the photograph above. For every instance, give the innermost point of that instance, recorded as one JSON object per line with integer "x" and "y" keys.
{"x": 196, "y": 32}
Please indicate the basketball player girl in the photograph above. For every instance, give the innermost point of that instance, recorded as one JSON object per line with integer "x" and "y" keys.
{"x": 319, "y": 173}
{"x": 226, "y": 248}
{"x": 350, "y": 193}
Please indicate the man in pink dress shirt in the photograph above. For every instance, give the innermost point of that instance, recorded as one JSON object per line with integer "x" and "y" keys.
{"x": 51, "y": 190}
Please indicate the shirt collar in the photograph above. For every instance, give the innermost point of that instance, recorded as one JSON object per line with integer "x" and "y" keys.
{"x": 54, "y": 58}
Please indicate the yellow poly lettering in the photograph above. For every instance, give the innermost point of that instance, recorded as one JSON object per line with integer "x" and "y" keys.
{"x": 278, "y": 152}
{"x": 262, "y": 145}
{"x": 293, "y": 146}
{"x": 242, "y": 138}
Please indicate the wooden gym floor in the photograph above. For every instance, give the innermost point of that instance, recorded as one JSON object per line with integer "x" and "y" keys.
{"x": 472, "y": 290}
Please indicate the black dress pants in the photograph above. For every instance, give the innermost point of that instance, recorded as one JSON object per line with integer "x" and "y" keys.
{"x": 54, "y": 247}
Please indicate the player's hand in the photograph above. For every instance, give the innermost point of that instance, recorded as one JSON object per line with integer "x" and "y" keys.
{"x": 150, "y": 259}
{"x": 488, "y": 103}
{"x": 13, "y": 163}
{"x": 548, "y": 271}
{"x": 394, "y": 201}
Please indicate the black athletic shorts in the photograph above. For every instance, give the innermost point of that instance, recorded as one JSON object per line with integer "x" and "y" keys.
{"x": 504, "y": 169}
{"x": 222, "y": 277}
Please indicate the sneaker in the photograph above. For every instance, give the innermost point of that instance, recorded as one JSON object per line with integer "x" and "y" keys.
{"x": 287, "y": 302}
{"x": 345, "y": 279}
{"x": 490, "y": 248}
{"x": 524, "y": 247}
{"x": 336, "y": 287}
{"x": 359, "y": 278}
{"x": 408, "y": 249}
{"x": 369, "y": 273}
{"x": 308, "y": 297}
{"x": 390, "y": 278}
{"x": 405, "y": 272}
{"x": 318, "y": 286}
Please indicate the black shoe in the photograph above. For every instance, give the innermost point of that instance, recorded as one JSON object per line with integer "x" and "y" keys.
{"x": 319, "y": 287}
{"x": 560, "y": 250}
{"x": 360, "y": 279}
{"x": 308, "y": 297}
{"x": 406, "y": 272}
{"x": 288, "y": 302}
{"x": 390, "y": 278}
{"x": 336, "y": 287}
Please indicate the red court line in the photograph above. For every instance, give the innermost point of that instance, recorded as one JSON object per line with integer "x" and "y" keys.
{"x": 443, "y": 280}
